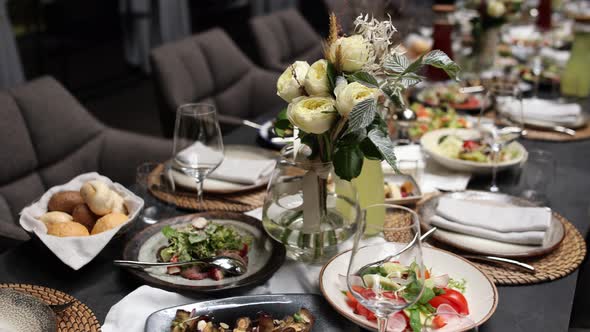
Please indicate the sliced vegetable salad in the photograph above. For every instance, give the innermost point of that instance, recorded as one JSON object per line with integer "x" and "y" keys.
{"x": 432, "y": 118}
{"x": 441, "y": 305}
{"x": 455, "y": 147}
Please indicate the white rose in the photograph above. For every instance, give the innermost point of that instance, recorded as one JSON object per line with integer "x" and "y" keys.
{"x": 290, "y": 83}
{"x": 496, "y": 8}
{"x": 355, "y": 52}
{"x": 352, "y": 94}
{"x": 316, "y": 80}
{"x": 312, "y": 114}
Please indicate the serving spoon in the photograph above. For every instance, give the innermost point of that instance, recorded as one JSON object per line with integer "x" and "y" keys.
{"x": 226, "y": 264}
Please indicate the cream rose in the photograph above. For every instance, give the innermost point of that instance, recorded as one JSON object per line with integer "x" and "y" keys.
{"x": 496, "y": 8}
{"x": 352, "y": 94}
{"x": 316, "y": 80}
{"x": 312, "y": 114}
{"x": 290, "y": 83}
{"x": 355, "y": 52}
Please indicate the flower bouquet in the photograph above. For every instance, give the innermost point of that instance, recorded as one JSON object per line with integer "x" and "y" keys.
{"x": 334, "y": 102}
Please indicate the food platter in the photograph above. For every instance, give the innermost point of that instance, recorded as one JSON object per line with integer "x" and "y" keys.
{"x": 277, "y": 305}
{"x": 481, "y": 293}
{"x": 553, "y": 236}
{"x": 264, "y": 258}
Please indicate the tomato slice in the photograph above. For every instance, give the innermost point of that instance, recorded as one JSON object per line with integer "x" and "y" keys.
{"x": 438, "y": 322}
{"x": 457, "y": 299}
{"x": 470, "y": 145}
{"x": 351, "y": 298}
{"x": 439, "y": 299}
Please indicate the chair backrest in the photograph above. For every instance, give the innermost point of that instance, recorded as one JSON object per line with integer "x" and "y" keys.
{"x": 284, "y": 37}
{"x": 207, "y": 67}
{"x": 47, "y": 138}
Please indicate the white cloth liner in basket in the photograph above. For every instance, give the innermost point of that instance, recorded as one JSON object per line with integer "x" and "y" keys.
{"x": 77, "y": 251}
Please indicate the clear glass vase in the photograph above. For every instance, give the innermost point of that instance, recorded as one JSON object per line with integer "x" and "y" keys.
{"x": 307, "y": 209}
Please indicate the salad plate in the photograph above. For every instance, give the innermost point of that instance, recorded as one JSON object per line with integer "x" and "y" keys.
{"x": 203, "y": 235}
{"x": 449, "y": 94}
{"x": 215, "y": 186}
{"x": 401, "y": 189}
{"x": 480, "y": 293}
{"x": 464, "y": 144}
{"x": 553, "y": 236}
{"x": 276, "y": 305}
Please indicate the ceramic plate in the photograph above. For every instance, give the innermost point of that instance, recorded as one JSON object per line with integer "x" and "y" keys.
{"x": 20, "y": 312}
{"x": 580, "y": 122}
{"x": 264, "y": 258}
{"x": 228, "y": 310}
{"x": 399, "y": 179}
{"x": 430, "y": 141}
{"x": 476, "y": 101}
{"x": 223, "y": 187}
{"x": 553, "y": 237}
{"x": 481, "y": 293}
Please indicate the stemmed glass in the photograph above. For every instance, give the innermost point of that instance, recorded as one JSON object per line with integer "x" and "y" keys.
{"x": 198, "y": 145}
{"x": 386, "y": 273}
{"x": 509, "y": 110}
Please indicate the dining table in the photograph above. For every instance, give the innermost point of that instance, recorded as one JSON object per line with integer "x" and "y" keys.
{"x": 538, "y": 307}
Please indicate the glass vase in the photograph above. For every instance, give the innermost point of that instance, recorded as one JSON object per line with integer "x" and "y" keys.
{"x": 303, "y": 211}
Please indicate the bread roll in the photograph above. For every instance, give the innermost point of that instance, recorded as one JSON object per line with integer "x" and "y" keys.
{"x": 65, "y": 201}
{"x": 109, "y": 221}
{"x": 55, "y": 217}
{"x": 101, "y": 199}
{"x": 68, "y": 228}
{"x": 83, "y": 215}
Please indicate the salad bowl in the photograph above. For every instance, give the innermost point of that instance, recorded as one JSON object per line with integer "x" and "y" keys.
{"x": 480, "y": 293}
{"x": 431, "y": 145}
{"x": 264, "y": 255}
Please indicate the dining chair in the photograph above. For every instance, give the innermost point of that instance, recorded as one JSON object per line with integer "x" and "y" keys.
{"x": 284, "y": 37}
{"x": 210, "y": 68}
{"x": 48, "y": 138}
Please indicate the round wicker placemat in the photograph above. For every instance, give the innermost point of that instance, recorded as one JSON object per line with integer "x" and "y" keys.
{"x": 238, "y": 202}
{"x": 76, "y": 318}
{"x": 557, "y": 264}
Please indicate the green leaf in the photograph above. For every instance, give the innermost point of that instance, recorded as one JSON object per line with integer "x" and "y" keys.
{"x": 394, "y": 92}
{"x": 415, "y": 66}
{"x": 363, "y": 78}
{"x": 439, "y": 59}
{"x": 331, "y": 72}
{"x": 427, "y": 295}
{"x": 282, "y": 123}
{"x": 410, "y": 79}
{"x": 196, "y": 238}
{"x": 396, "y": 63}
{"x": 353, "y": 138}
{"x": 169, "y": 232}
{"x": 370, "y": 150}
{"x": 283, "y": 114}
{"x": 362, "y": 115}
{"x": 384, "y": 145}
{"x": 415, "y": 321}
{"x": 348, "y": 162}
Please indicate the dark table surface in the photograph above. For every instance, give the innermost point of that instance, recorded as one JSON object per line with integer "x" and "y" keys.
{"x": 541, "y": 307}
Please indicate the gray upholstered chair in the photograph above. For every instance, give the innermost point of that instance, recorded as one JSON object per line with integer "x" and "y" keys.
{"x": 47, "y": 138}
{"x": 284, "y": 37}
{"x": 209, "y": 67}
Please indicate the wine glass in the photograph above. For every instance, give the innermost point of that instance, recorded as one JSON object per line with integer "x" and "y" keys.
{"x": 198, "y": 145}
{"x": 507, "y": 98}
{"x": 386, "y": 273}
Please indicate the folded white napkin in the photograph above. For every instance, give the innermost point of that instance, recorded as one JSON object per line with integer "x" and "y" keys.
{"x": 528, "y": 238}
{"x": 244, "y": 171}
{"x": 560, "y": 57}
{"x": 492, "y": 217}
{"x": 76, "y": 251}
{"x": 543, "y": 110}
{"x": 432, "y": 175}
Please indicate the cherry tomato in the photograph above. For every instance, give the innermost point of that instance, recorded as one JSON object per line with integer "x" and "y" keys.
{"x": 470, "y": 145}
{"x": 457, "y": 299}
{"x": 438, "y": 322}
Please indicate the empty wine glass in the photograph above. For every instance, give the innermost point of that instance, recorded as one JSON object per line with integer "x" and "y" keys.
{"x": 386, "y": 273}
{"x": 198, "y": 145}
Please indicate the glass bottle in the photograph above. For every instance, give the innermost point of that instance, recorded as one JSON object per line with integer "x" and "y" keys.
{"x": 370, "y": 190}
{"x": 442, "y": 33}
{"x": 575, "y": 81}
{"x": 544, "y": 15}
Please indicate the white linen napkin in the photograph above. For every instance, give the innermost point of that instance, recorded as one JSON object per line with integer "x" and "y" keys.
{"x": 76, "y": 251}
{"x": 528, "y": 238}
{"x": 432, "y": 175}
{"x": 560, "y": 57}
{"x": 495, "y": 218}
{"x": 244, "y": 171}
{"x": 543, "y": 110}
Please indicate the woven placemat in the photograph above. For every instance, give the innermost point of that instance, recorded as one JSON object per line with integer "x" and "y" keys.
{"x": 238, "y": 202}
{"x": 76, "y": 318}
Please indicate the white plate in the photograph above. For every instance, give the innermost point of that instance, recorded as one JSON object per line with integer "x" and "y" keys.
{"x": 223, "y": 187}
{"x": 399, "y": 179}
{"x": 430, "y": 140}
{"x": 481, "y": 294}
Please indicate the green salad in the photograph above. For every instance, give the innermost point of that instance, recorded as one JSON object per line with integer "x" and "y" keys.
{"x": 453, "y": 146}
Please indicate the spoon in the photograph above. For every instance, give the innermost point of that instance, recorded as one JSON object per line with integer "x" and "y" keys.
{"x": 226, "y": 264}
